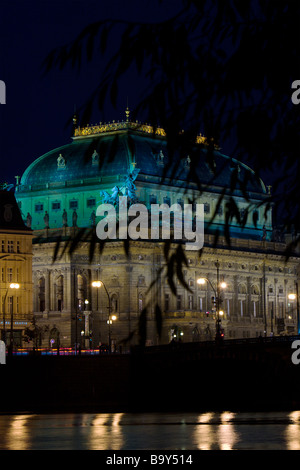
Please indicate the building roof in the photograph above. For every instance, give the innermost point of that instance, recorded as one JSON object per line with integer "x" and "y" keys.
{"x": 115, "y": 149}
{"x": 10, "y": 215}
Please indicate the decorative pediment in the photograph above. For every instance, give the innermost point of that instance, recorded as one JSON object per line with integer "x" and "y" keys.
{"x": 12, "y": 257}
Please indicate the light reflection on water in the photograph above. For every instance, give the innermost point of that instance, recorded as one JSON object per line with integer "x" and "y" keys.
{"x": 152, "y": 431}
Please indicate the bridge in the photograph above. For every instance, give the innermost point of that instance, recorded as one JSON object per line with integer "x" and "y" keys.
{"x": 243, "y": 375}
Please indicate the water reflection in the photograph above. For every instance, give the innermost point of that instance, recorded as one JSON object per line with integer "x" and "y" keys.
{"x": 215, "y": 431}
{"x": 227, "y": 433}
{"x": 152, "y": 431}
{"x": 293, "y": 431}
{"x": 106, "y": 432}
{"x": 18, "y": 433}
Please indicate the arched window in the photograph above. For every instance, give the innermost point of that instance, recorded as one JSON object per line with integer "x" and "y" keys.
{"x": 255, "y": 290}
{"x": 242, "y": 289}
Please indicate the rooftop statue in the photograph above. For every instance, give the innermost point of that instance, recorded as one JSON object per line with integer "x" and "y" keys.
{"x": 128, "y": 190}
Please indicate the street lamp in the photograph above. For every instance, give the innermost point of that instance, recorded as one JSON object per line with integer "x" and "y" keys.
{"x": 222, "y": 285}
{"x": 99, "y": 284}
{"x": 11, "y": 286}
{"x": 292, "y": 297}
{"x": 110, "y": 322}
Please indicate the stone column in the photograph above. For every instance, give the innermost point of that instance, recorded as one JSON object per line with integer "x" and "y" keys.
{"x": 275, "y": 301}
{"x": 236, "y": 296}
{"x": 285, "y": 298}
{"x": 47, "y": 291}
{"x": 87, "y": 328}
{"x": 67, "y": 290}
{"x": 95, "y": 276}
{"x": 73, "y": 290}
{"x": 248, "y": 303}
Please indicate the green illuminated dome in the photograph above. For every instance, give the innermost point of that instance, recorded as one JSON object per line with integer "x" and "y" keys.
{"x": 113, "y": 150}
{"x": 73, "y": 178}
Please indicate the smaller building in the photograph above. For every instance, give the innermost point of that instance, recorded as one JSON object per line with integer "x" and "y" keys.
{"x": 15, "y": 271}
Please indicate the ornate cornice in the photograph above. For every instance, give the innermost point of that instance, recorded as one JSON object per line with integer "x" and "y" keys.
{"x": 104, "y": 128}
{"x": 118, "y": 126}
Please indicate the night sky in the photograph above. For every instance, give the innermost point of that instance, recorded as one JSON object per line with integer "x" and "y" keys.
{"x": 35, "y": 117}
{"x": 39, "y": 107}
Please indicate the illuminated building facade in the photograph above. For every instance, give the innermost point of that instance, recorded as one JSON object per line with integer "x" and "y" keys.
{"x": 15, "y": 270}
{"x": 59, "y": 194}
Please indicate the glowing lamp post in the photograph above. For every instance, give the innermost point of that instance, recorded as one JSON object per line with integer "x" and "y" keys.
{"x": 220, "y": 285}
{"x": 11, "y": 286}
{"x": 99, "y": 284}
{"x": 293, "y": 297}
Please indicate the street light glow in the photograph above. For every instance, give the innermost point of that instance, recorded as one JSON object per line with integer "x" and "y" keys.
{"x": 14, "y": 286}
{"x": 96, "y": 283}
{"x": 202, "y": 281}
{"x": 292, "y": 296}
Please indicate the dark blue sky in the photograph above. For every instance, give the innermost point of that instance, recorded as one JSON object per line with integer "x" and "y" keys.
{"x": 33, "y": 121}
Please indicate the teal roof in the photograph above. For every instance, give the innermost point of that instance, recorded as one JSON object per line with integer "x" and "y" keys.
{"x": 118, "y": 149}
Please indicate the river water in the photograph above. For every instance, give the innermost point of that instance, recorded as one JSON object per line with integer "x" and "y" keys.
{"x": 153, "y": 431}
